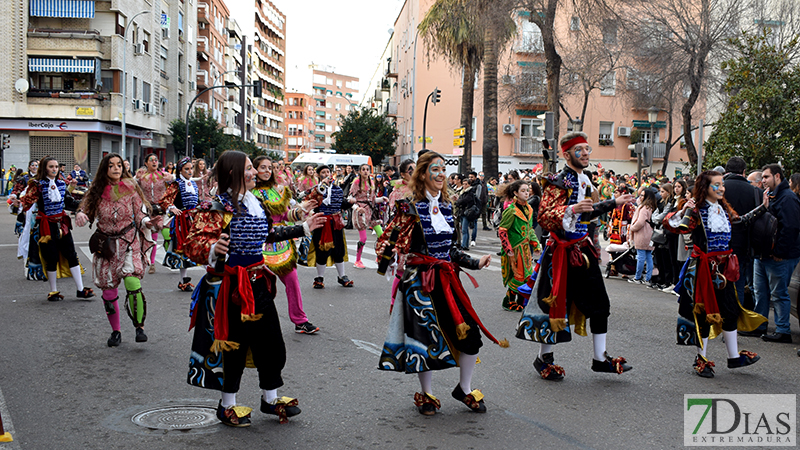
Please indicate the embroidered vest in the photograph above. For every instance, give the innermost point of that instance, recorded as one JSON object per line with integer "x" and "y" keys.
{"x": 438, "y": 244}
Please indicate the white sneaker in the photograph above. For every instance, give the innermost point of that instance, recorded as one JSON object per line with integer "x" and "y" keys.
{"x": 472, "y": 244}
{"x": 668, "y": 289}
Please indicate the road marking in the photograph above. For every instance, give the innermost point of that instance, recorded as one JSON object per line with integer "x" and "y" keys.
{"x": 368, "y": 346}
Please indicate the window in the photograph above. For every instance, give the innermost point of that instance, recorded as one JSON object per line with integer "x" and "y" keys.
{"x": 107, "y": 79}
{"x": 50, "y": 82}
{"x": 474, "y": 129}
{"x": 164, "y": 56}
{"x": 529, "y": 128}
{"x": 146, "y": 42}
{"x": 180, "y": 24}
{"x": 606, "y": 133}
{"x": 608, "y": 86}
{"x": 145, "y": 92}
{"x": 120, "y": 29}
{"x": 575, "y": 23}
{"x": 329, "y": 81}
{"x": 180, "y": 66}
{"x": 531, "y": 38}
{"x": 338, "y": 106}
{"x": 610, "y": 32}
{"x": 134, "y": 88}
{"x": 338, "y": 83}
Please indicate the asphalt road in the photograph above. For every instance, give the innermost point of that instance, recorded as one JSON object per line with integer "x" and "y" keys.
{"x": 62, "y": 387}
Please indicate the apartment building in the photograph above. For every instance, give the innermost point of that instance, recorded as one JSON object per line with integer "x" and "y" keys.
{"x": 401, "y": 93}
{"x": 334, "y": 95}
{"x": 61, "y": 91}
{"x": 269, "y": 64}
{"x": 299, "y": 124}
{"x": 212, "y": 50}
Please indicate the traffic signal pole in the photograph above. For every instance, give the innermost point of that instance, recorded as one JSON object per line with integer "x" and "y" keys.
{"x": 437, "y": 96}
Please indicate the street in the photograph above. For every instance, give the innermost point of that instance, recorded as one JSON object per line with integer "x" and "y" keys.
{"x": 62, "y": 387}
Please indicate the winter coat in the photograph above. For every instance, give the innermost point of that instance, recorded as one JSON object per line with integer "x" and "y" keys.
{"x": 640, "y": 230}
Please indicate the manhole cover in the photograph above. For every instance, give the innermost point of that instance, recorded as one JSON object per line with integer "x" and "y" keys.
{"x": 181, "y": 417}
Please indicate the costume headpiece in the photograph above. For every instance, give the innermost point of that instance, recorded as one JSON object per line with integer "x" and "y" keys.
{"x": 183, "y": 162}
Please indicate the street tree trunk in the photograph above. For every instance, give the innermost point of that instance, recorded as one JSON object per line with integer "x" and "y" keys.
{"x": 553, "y": 62}
{"x": 467, "y": 104}
{"x": 490, "y": 144}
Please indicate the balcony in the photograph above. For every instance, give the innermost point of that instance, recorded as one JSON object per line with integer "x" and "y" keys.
{"x": 391, "y": 69}
{"x": 234, "y": 106}
{"x": 202, "y": 7}
{"x": 295, "y": 133}
{"x": 659, "y": 150}
{"x": 527, "y": 146}
{"x": 391, "y": 109}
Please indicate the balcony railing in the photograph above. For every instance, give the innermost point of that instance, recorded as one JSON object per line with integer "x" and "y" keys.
{"x": 296, "y": 133}
{"x": 528, "y": 147}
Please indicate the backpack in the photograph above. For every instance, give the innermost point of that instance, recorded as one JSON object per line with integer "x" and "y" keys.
{"x": 763, "y": 232}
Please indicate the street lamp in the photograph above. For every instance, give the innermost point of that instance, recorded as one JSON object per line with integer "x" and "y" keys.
{"x": 652, "y": 117}
{"x": 125, "y": 83}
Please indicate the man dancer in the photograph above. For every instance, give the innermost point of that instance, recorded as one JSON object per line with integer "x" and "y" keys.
{"x": 576, "y": 291}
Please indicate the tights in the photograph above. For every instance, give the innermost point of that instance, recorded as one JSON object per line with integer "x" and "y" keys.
{"x": 135, "y": 303}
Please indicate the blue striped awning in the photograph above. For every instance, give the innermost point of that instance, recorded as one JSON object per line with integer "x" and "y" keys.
{"x": 78, "y": 9}
{"x": 60, "y": 65}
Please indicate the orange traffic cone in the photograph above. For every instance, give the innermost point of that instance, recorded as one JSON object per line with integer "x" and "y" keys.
{"x": 4, "y": 436}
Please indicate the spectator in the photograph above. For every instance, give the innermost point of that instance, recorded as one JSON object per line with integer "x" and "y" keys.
{"x": 471, "y": 202}
{"x": 772, "y": 273}
{"x": 755, "y": 179}
{"x": 640, "y": 233}
{"x": 390, "y": 172}
{"x": 661, "y": 248}
{"x": 794, "y": 183}
{"x": 743, "y": 198}
{"x": 79, "y": 175}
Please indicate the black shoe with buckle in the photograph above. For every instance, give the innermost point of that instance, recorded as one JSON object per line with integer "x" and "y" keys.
{"x": 344, "y": 281}
{"x": 549, "y": 371}
{"x": 745, "y": 358}
{"x": 85, "y": 293}
{"x": 283, "y": 407}
{"x": 305, "y": 328}
{"x": 140, "y": 336}
{"x": 426, "y": 403}
{"x": 703, "y": 367}
{"x": 783, "y": 338}
{"x": 115, "y": 339}
{"x": 186, "y": 286}
{"x": 611, "y": 365}
{"x": 55, "y": 296}
{"x": 234, "y": 416}
{"x": 319, "y": 283}
{"x": 473, "y": 400}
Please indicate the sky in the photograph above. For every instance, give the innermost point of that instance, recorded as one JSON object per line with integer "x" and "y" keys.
{"x": 347, "y": 35}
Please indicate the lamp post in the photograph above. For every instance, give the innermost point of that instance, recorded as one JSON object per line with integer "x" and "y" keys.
{"x": 652, "y": 117}
{"x": 125, "y": 84}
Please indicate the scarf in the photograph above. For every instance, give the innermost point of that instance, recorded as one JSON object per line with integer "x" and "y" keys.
{"x": 53, "y": 193}
{"x": 438, "y": 222}
{"x": 189, "y": 185}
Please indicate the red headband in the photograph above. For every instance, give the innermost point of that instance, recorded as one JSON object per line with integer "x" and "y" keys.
{"x": 572, "y": 142}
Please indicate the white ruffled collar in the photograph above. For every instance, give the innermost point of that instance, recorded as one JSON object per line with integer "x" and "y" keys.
{"x": 188, "y": 185}
{"x": 438, "y": 222}
{"x": 53, "y": 193}
{"x": 717, "y": 219}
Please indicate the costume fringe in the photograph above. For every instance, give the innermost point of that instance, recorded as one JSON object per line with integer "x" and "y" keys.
{"x": 251, "y": 317}
{"x": 714, "y": 319}
{"x": 551, "y": 300}
{"x": 461, "y": 331}
{"x": 699, "y": 308}
{"x": 45, "y": 239}
{"x": 224, "y": 346}
{"x": 504, "y": 343}
{"x": 326, "y": 246}
{"x": 558, "y": 324}
{"x": 283, "y": 267}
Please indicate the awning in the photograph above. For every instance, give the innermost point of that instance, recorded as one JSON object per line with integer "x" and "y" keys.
{"x": 529, "y": 112}
{"x": 60, "y": 65}
{"x": 320, "y": 124}
{"x": 321, "y": 113}
{"x": 646, "y": 124}
{"x": 78, "y": 9}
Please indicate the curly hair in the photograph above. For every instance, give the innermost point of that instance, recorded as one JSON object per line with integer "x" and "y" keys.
{"x": 91, "y": 201}
{"x": 417, "y": 184}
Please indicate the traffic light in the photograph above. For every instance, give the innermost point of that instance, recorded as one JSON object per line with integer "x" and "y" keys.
{"x": 257, "y": 88}
{"x": 6, "y": 141}
{"x": 437, "y": 96}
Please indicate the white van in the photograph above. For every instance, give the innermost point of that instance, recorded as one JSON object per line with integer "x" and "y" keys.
{"x": 330, "y": 159}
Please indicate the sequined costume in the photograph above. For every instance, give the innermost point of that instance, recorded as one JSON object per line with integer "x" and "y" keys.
{"x": 179, "y": 196}
{"x": 517, "y": 236}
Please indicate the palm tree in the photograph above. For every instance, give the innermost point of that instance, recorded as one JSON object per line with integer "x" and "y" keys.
{"x": 451, "y": 29}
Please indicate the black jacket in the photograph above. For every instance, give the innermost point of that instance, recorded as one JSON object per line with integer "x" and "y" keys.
{"x": 743, "y": 198}
{"x": 785, "y": 206}
{"x": 472, "y": 196}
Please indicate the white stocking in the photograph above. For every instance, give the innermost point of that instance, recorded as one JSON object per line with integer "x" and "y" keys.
{"x": 76, "y": 275}
{"x": 731, "y": 344}
{"x": 340, "y": 268}
{"x": 270, "y": 395}
{"x": 467, "y": 365}
{"x": 599, "y": 341}
{"x": 425, "y": 381}
{"x": 545, "y": 349}
{"x": 52, "y": 278}
{"x": 228, "y": 399}
{"x": 320, "y": 270}
{"x": 702, "y": 351}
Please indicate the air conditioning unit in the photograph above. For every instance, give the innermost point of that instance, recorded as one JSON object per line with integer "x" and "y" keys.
{"x": 137, "y": 104}
{"x": 165, "y": 33}
{"x": 624, "y": 131}
{"x": 148, "y": 109}
{"x": 403, "y": 83}
{"x": 138, "y": 49}
{"x": 509, "y": 128}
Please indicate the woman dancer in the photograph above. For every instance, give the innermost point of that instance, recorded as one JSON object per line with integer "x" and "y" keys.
{"x": 28, "y": 246}
{"x": 362, "y": 196}
{"x": 153, "y": 183}
{"x": 401, "y": 190}
{"x": 308, "y": 180}
{"x": 328, "y": 245}
{"x": 281, "y": 256}
{"x": 181, "y": 199}
{"x": 518, "y": 238}
{"x": 202, "y": 177}
{"x": 49, "y": 194}
{"x": 708, "y": 303}
{"x": 233, "y": 310}
{"x": 118, "y": 204}
{"x": 435, "y": 326}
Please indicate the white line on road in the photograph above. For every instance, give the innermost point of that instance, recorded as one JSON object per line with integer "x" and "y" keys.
{"x": 368, "y": 346}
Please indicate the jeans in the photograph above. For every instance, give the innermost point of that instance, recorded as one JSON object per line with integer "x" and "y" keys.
{"x": 771, "y": 281}
{"x": 641, "y": 256}
{"x": 465, "y": 224}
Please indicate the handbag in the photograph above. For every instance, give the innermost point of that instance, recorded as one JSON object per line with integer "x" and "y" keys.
{"x": 102, "y": 245}
{"x": 659, "y": 236}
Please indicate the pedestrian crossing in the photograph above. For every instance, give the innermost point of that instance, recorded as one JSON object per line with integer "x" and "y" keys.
{"x": 160, "y": 254}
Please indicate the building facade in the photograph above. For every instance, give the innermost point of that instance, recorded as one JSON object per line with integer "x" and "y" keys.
{"x": 62, "y": 85}
{"x": 269, "y": 65}
{"x": 334, "y": 95}
{"x": 299, "y": 136}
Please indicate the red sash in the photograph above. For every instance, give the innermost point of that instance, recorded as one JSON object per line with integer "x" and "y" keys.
{"x": 558, "y": 295}
{"x": 44, "y": 224}
{"x": 705, "y": 299}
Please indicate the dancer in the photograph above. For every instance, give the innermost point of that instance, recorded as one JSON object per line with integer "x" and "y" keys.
{"x": 202, "y": 177}
{"x": 400, "y": 191}
{"x": 328, "y": 245}
{"x": 711, "y": 308}
{"x": 576, "y": 291}
{"x": 435, "y": 326}
{"x": 49, "y": 194}
{"x": 518, "y": 238}
{"x": 181, "y": 199}
{"x": 28, "y": 246}
{"x": 118, "y": 204}
{"x": 281, "y": 256}
{"x": 233, "y": 309}
{"x": 153, "y": 183}
{"x": 308, "y": 180}
{"x": 362, "y": 196}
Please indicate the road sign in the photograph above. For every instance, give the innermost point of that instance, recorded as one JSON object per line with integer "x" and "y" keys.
{"x": 458, "y": 142}
{"x": 428, "y": 140}
{"x": 459, "y": 132}
{"x": 458, "y": 151}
